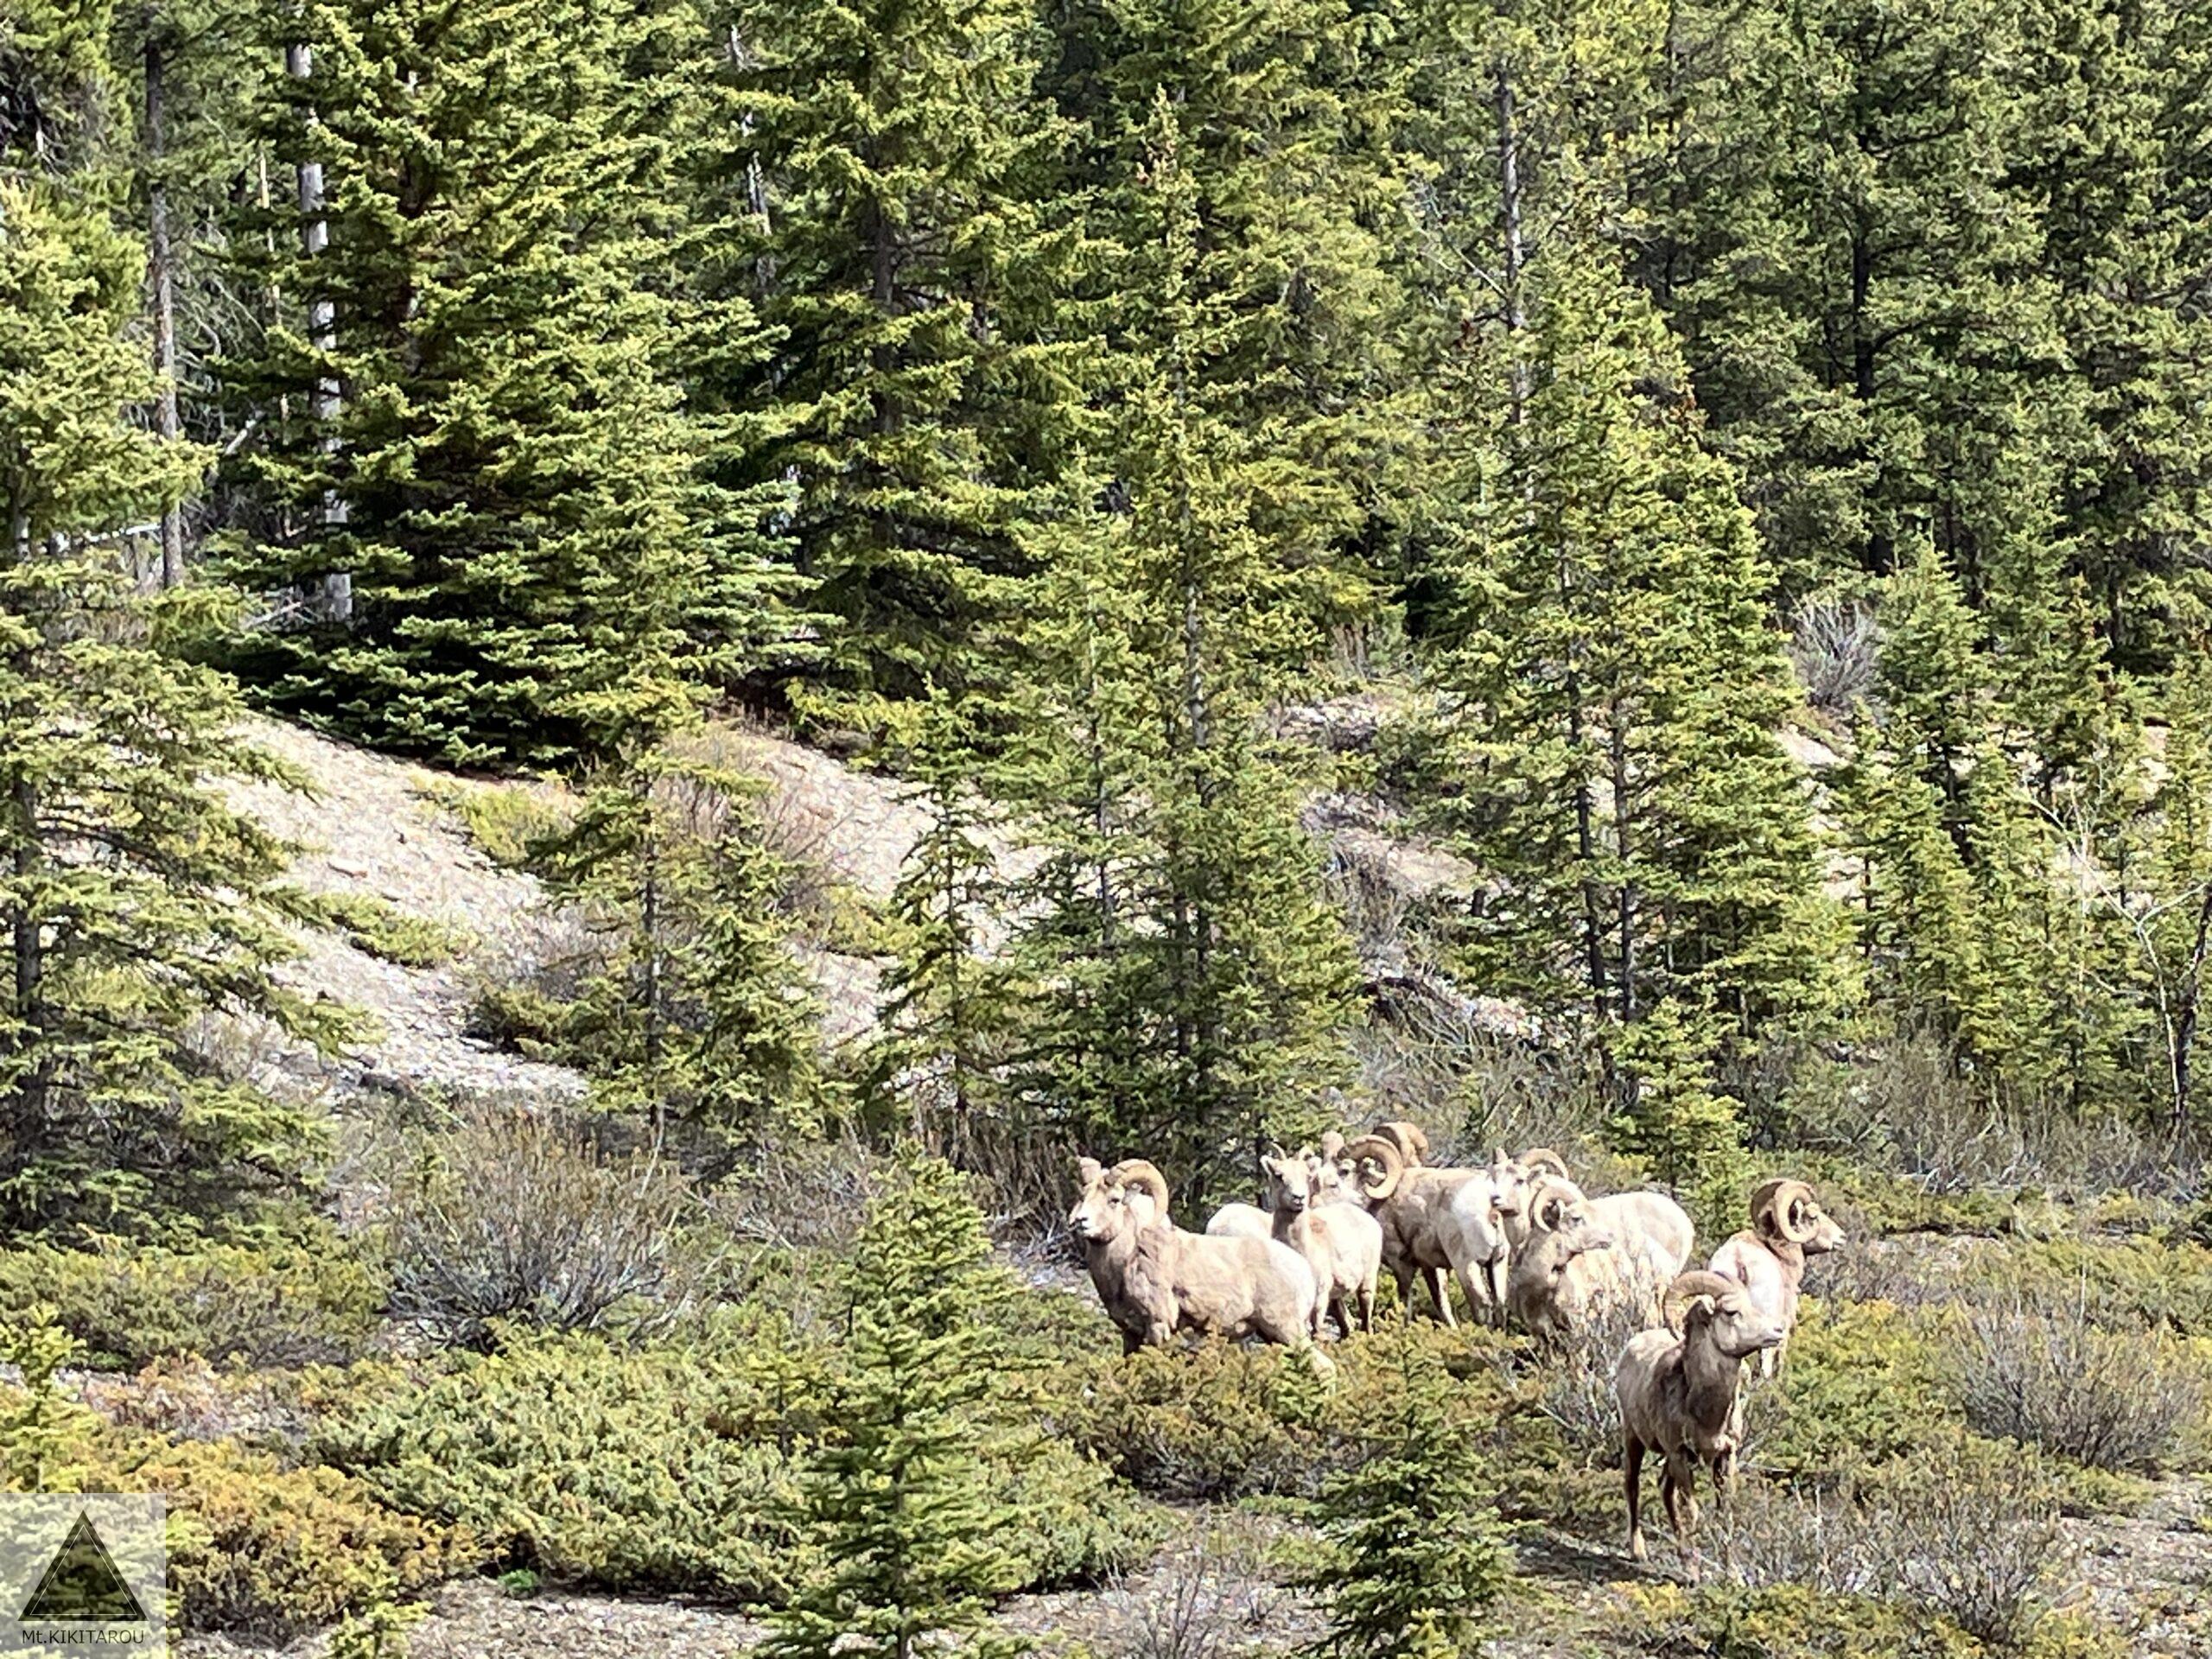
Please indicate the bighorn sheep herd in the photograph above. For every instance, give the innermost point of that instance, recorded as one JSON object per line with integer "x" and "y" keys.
{"x": 1524, "y": 1243}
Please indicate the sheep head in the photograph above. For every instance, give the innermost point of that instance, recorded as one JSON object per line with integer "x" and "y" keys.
{"x": 1333, "y": 1146}
{"x": 1293, "y": 1183}
{"x": 1411, "y": 1140}
{"x": 1700, "y": 1302}
{"x": 1378, "y": 1167}
{"x": 1126, "y": 1197}
{"x": 1509, "y": 1183}
{"x": 1786, "y": 1210}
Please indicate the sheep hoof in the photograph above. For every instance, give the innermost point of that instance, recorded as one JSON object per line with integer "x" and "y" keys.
{"x": 1636, "y": 1552}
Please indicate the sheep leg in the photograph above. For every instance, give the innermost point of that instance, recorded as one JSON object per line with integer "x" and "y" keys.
{"x": 1367, "y": 1307}
{"x": 1131, "y": 1341}
{"x": 1404, "y": 1276}
{"x": 1681, "y": 1489}
{"x": 1633, "y": 1461}
{"x": 1440, "y": 1290}
{"x": 1496, "y": 1273}
{"x": 1477, "y": 1293}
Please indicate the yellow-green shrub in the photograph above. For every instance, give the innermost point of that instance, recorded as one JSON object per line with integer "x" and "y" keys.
{"x": 1862, "y": 1382}
{"x": 129, "y": 1303}
{"x": 667, "y": 1467}
{"x": 254, "y": 1545}
{"x": 257, "y": 1546}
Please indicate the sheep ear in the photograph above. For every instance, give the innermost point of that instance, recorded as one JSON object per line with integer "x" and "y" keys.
{"x": 1089, "y": 1169}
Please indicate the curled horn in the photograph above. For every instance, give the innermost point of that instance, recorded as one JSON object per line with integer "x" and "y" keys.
{"x": 1699, "y": 1281}
{"x": 1410, "y": 1139}
{"x": 1543, "y": 1160}
{"x": 1772, "y": 1202}
{"x": 1383, "y": 1150}
{"x": 1544, "y": 1194}
{"x": 1146, "y": 1178}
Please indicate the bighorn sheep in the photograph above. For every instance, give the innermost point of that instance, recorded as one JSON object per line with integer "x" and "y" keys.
{"x": 1340, "y": 1241}
{"x": 1154, "y": 1279}
{"x": 1435, "y": 1221}
{"x": 1550, "y": 1286}
{"x": 1677, "y": 1391}
{"x": 1787, "y": 1224}
{"x": 1652, "y": 1222}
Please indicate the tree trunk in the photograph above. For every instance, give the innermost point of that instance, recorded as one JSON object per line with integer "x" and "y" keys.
{"x": 162, "y": 273}
{"x": 2185, "y": 1033}
{"x": 329, "y": 401}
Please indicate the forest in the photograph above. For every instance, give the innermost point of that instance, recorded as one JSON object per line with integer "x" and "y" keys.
{"x": 712, "y": 711}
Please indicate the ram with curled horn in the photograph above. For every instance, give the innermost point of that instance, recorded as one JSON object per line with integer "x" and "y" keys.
{"x": 1677, "y": 1390}
{"x": 1436, "y": 1222}
{"x": 1155, "y": 1280}
{"x": 1769, "y": 1260}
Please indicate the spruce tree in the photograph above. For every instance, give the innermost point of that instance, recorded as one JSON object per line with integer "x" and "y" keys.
{"x": 899, "y": 1498}
{"x": 138, "y": 905}
{"x": 945, "y": 1011}
{"x": 1611, "y": 696}
{"x": 893, "y": 179}
{"x": 464, "y": 401}
{"x": 693, "y": 1009}
{"x": 1417, "y": 1553}
{"x": 1186, "y": 958}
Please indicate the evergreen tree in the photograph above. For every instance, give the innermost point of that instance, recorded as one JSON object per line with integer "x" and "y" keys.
{"x": 693, "y": 1009}
{"x": 1417, "y": 1553}
{"x": 896, "y": 176}
{"x": 1218, "y": 986}
{"x": 137, "y": 904}
{"x": 1612, "y": 697}
{"x": 899, "y": 1497}
{"x": 464, "y": 404}
{"x": 945, "y": 1011}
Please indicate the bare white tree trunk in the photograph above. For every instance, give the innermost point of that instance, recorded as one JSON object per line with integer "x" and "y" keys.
{"x": 322, "y": 333}
{"x": 160, "y": 271}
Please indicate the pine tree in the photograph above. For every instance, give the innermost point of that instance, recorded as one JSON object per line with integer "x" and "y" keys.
{"x": 138, "y": 905}
{"x": 945, "y": 1011}
{"x": 896, "y": 179}
{"x": 694, "y": 1011}
{"x": 1214, "y": 1004}
{"x": 464, "y": 402}
{"x": 1613, "y": 695}
{"x": 1418, "y": 1553}
{"x": 899, "y": 1497}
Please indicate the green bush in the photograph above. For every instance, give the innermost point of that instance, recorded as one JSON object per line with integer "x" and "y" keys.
{"x": 1227, "y": 1421}
{"x": 389, "y": 933}
{"x": 287, "y": 1305}
{"x": 257, "y": 1547}
{"x": 668, "y": 1468}
{"x": 2123, "y": 1283}
{"x": 254, "y": 1545}
{"x": 1862, "y": 1383}
{"x": 506, "y": 821}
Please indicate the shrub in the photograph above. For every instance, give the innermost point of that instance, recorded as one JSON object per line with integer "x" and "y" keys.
{"x": 1862, "y": 1383}
{"x": 1834, "y": 647}
{"x": 388, "y": 933}
{"x": 665, "y": 1468}
{"x": 521, "y": 1216}
{"x": 1226, "y": 1421}
{"x": 2114, "y": 1399}
{"x": 503, "y": 820}
{"x": 573, "y": 1457}
{"x": 1965, "y": 1531}
{"x": 258, "y": 1548}
{"x": 287, "y": 1305}
{"x": 253, "y": 1545}
{"x": 1575, "y": 1384}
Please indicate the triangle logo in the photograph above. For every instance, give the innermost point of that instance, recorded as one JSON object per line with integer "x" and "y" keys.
{"x": 81, "y": 1585}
